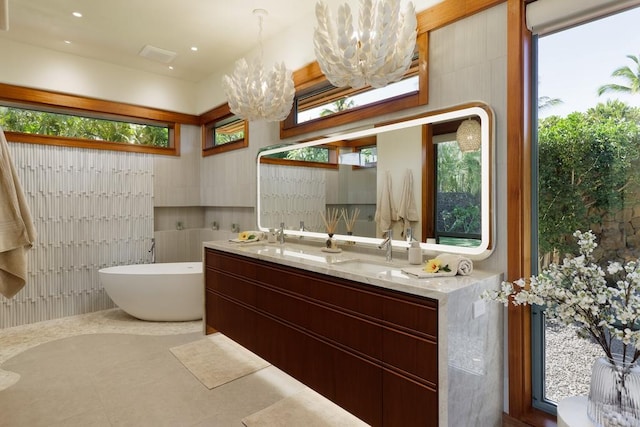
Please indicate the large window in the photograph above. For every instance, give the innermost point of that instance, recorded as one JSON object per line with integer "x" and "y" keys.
{"x": 43, "y": 117}
{"x": 37, "y": 122}
{"x": 588, "y": 174}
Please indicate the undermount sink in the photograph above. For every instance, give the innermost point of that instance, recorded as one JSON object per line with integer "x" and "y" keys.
{"x": 283, "y": 251}
{"x": 368, "y": 266}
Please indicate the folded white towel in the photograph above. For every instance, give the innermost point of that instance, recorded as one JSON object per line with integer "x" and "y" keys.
{"x": 249, "y": 236}
{"x": 419, "y": 272}
{"x": 17, "y": 232}
{"x": 386, "y": 212}
{"x": 458, "y": 263}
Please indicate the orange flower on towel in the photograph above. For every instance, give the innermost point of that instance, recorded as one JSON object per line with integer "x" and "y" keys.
{"x": 246, "y": 235}
{"x": 435, "y": 266}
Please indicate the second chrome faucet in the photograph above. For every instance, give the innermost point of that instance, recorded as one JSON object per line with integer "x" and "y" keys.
{"x": 387, "y": 245}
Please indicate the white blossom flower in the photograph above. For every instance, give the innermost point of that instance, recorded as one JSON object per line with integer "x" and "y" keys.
{"x": 579, "y": 292}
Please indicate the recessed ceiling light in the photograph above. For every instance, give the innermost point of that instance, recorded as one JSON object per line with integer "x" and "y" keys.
{"x": 77, "y": 14}
{"x": 171, "y": 67}
{"x": 194, "y": 48}
{"x": 67, "y": 42}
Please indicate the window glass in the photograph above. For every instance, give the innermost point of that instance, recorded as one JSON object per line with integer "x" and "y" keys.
{"x": 305, "y": 154}
{"x": 330, "y": 100}
{"x": 227, "y": 131}
{"x": 588, "y": 133}
{"x": 458, "y": 188}
{"x": 32, "y": 121}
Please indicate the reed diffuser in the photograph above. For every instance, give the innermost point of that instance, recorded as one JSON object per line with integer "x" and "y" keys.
{"x": 331, "y": 222}
{"x": 350, "y": 219}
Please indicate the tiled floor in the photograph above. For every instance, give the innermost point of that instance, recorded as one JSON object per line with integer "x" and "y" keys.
{"x": 107, "y": 379}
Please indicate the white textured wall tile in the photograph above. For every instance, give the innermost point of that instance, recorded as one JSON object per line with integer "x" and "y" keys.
{"x": 91, "y": 209}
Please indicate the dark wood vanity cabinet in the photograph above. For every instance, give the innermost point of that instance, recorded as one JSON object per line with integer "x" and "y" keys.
{"x": 370, "y": 350}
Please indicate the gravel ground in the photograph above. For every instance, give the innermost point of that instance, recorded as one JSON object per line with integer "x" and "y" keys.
{"x": 569, "y": 360}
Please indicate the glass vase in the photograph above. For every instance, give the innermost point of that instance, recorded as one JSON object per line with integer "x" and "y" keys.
{"x": 614, "y": 393}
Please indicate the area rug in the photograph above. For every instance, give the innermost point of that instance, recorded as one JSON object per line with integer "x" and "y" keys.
{"x": 306, "y": 408}
{"x": 217, "y": 360}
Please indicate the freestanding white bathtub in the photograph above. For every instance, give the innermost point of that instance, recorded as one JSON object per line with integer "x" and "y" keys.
{"x": 157, "y": 292}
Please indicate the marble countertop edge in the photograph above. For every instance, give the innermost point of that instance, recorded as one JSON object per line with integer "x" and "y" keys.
{"x": 310, "y": 257}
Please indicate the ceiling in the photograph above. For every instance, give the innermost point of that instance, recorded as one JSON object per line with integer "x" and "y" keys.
{"x": 115, "y": 31}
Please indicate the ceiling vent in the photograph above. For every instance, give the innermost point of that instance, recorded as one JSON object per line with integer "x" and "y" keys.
{"x": 156, "y": 54}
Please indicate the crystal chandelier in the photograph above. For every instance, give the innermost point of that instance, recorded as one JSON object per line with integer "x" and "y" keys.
{"x": 253, "y": 93}
{"x": 376, "y": 54}
{"x": 469, "y": 136}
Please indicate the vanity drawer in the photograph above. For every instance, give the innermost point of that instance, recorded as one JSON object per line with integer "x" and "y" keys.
{"x": 419, "y": 315}
{"x": 231, "y": 286}
{"x": 230, "y": 264}
{"x": 343, "y": 294}
{"x": 410, "y": 354}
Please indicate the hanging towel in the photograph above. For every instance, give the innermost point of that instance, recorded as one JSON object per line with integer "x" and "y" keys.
{"x": 386, "y": 212}
{"x": 407, "y": 210}
{"x": 17, "y": 232}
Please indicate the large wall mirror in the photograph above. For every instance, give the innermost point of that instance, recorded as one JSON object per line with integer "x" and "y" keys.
{"x": 441, "y": 188}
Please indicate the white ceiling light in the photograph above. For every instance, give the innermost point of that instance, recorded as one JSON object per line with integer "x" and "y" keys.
{"x": 469, "y": 136}
{"x": 253, "y": 94}
{"x": 376, "y": 54}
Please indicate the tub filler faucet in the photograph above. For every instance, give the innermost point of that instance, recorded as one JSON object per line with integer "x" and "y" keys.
{"x": 387, "y": 246}
{"x": 152, "y": 251}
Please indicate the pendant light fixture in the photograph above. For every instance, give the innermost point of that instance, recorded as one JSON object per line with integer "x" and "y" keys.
{"x": 253, "y": 93}
{"x": 469, "y": 136}
{"x": 377, "y": 53}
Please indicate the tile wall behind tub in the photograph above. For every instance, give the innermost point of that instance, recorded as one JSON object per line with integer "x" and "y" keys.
{"x": 91, "y": 209}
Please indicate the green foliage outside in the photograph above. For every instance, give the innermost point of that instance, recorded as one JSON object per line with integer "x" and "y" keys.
{"x": 462, "y": 220}
{"x": 587, "y": 161}
{"x": 309, "y": 154}
{"x": 225, "y": 138}
{"x": 55, "y": 124}
{"x": 458, "y": 172}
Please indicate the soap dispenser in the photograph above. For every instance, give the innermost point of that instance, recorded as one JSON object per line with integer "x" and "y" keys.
{"x": 415, "y": 253}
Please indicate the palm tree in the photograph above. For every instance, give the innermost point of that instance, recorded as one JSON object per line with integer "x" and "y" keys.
{"x": 545, "y": 102}
{"x": 341, "y": 104}
{"x": 632, "y": 79}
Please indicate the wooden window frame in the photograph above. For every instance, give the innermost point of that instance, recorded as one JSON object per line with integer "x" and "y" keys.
{"x": 331, "y": 164}
{"x": 311, "y": 76}
{"x": 44, "y": 100}
{"x": 208, "y": 122}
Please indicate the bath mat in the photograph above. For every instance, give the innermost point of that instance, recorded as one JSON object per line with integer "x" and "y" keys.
{"x": 306, "y": 408}
{"x": 217, "y": 360}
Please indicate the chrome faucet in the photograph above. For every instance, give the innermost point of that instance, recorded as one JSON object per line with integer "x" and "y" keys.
{"x": 302, "y": 227}
{"x": 281, "y": 233}
{"x": 387, "y": 245}
{"x": 409, "y": 234}
{"x": 152, "y": 251}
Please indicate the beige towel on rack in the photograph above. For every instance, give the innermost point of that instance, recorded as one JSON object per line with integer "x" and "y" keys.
{"x": 386, "y": 212}
{"x": 17, "y": 232}
{"x": 407, "y": 210}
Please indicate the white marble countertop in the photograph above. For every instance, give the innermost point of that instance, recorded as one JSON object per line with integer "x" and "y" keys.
{"x": 352, "y": 264}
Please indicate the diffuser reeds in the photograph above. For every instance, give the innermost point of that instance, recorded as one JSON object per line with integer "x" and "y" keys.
{"x": 331, "y": 220}
{"x": 350, "y": 219}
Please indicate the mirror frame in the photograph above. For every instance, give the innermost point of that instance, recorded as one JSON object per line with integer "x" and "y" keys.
{"x": 487, "y": 119}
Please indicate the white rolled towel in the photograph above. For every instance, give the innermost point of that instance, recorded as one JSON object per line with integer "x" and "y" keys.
{"x": 458, "y": 263}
